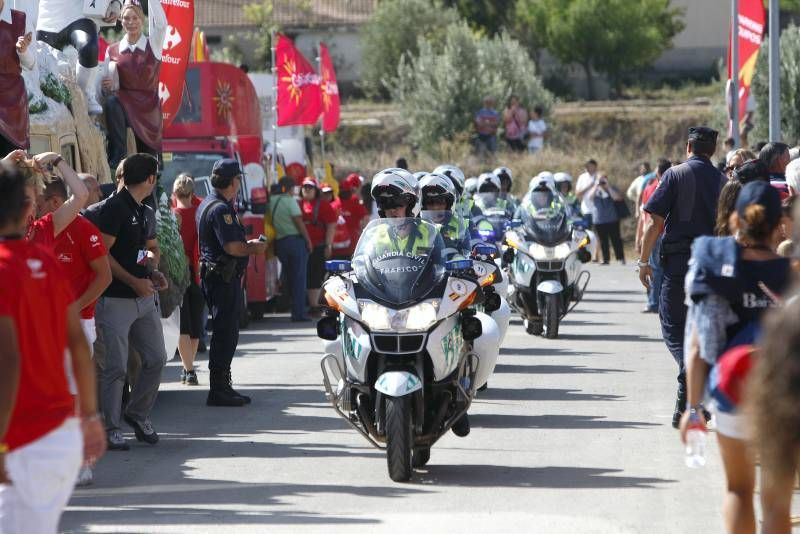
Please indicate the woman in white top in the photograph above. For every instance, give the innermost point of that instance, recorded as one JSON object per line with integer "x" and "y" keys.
{"x": 536, "y": 129}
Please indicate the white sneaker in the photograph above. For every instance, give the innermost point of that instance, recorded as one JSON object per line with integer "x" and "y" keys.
{"x": 85, "y": 476}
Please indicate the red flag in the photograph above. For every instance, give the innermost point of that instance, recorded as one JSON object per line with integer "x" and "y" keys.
{"x": 330, "y": 91}
{"x": 299, "y": 96}
{"x": 175, "y": 55}
{"x": 750, "y": 30}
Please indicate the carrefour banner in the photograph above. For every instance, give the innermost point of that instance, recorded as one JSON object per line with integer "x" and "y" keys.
{"x": 750, "y": 33}
{"x": 175, "y": 55}
{"x": 299, "y": 94}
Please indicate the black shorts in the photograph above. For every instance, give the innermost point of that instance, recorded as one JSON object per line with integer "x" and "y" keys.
{"x": 192, "y": 312}
{"x": 316, "y": 268}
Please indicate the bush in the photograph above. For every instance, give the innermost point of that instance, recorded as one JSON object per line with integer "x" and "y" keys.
{"x": 392, "y": 33}
{"x": 441, "y": 89}
{"x": 55, "y": 89}
{"x": 790, "y": 89}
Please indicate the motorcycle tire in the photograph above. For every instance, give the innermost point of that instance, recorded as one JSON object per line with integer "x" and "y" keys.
{"x": 552, "y": 316}
{"x": 421, "y": 457}
{"x": 399, "y": 438}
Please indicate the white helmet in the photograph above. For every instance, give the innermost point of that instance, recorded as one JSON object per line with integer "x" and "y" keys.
{"x": 488, "y": 182}
{"x": 562, "y": 177}
{"x": 503, "y": 173}
{"x": 455, "y": 174}
{"x": 434, "y": 187}
{"x": 392, "y": 188}
{"x": 545, "y": 178}
{"x": 471, "y": 185}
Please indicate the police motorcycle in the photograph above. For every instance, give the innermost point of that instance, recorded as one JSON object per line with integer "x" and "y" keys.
{"x": 546, "y": 252}
{"x": 506, "y": 184}
{"x": 496, "y": 212}
{"x": 405, "y": 351}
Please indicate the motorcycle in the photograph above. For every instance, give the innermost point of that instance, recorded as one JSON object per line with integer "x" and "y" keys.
{"x": 405, "y": 350}
{"x": 545, "y": 255}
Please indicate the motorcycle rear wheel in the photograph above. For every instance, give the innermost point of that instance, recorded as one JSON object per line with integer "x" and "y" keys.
{"x": 552, "y": 316}
{"x": 399, "y": 438}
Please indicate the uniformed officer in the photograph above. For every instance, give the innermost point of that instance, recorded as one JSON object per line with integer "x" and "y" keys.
{"x": 438, "y": 197}
{"x": 224, "y": 253}
{"x": 685, "y": 206}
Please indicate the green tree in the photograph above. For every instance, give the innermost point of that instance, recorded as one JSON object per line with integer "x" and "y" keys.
{"x": 489, "y": 16}
{"x": 608, "y": 36}
{"x": 260, "y": 15}
{"x": 790, "y": 88}
{"x": 442, "y": 88}
{"x": 392, "y": 33}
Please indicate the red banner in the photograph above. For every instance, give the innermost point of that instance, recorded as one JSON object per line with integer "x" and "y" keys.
{"x": 330, "y": 90}
{"x": 175, "y": 55}
{"x": 750, "y": 30}
{"x": 299, "y": 95}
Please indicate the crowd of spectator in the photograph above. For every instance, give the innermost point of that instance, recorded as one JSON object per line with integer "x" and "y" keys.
{"x": 522, "y": 130}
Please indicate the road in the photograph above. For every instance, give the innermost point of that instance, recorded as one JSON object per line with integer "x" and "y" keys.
{"x": 573, "y": 435}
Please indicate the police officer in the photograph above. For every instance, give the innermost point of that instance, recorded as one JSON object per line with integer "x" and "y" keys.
{"x": 224, "y": 253}
{"x": 685, "y": 206}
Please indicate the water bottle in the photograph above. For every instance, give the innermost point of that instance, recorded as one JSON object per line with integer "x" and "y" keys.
{"x": 696, "y": 444}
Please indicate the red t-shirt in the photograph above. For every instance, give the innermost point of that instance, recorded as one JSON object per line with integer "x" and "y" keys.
{"x": 326, "y": 215}
{"x": 42, "y": 231}
{"x": 353, "y": 211}
{"x": 647, "y": 192}
{"x": 35, "y": 294}
{"x": 191, "y": 244}
{"x": 75, "y": 248}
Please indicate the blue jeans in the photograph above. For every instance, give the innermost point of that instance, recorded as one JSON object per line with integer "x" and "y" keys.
{"x": 293, "y": 255}
{"x": 653, "y": 296}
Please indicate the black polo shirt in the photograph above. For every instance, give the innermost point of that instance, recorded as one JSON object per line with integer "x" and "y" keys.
{"x": 132, "y": 224}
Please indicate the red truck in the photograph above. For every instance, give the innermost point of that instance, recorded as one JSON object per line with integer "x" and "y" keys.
{"x": 220, "y": 117}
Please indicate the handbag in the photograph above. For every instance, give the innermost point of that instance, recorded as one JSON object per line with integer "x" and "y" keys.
{"x": 269, "y": 230}
{"x": 621, "y": 207}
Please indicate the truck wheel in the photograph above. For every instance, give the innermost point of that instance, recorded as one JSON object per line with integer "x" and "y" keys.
{"x": 552, "y": 316}
{"x": 399, "y": 437}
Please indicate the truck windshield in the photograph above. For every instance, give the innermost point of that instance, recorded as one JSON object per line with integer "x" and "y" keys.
{"x": 196, "y": 164}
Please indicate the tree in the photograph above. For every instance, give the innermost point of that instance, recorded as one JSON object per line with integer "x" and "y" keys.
{"x": 392, "y": 33}
{"x": 442, "y": 88}
{"x": 790, "y": 88}
{"x": 489, "y": 16}
{"x": 260, "y": 15}
{"x": 609, "y": 36}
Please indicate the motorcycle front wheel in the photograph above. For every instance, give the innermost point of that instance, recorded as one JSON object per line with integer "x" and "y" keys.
{"x": 552, "y": 316}
{"x": 399, "y": 437}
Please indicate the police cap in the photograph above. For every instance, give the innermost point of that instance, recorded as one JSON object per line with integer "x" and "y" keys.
{"x": 703, "y": 134}
{"x": 226, "y": 168}
{"x": 761, "y": 194}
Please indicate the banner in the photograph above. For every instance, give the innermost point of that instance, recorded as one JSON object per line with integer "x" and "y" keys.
{"x": 330, "y": 91}
{"x": 750, "y": 30}
{"x": 299, "y": 96}
{"x": 175, "y": 55}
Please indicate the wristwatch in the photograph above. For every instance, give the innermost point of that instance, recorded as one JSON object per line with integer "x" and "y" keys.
{"x": 640, "y": 263}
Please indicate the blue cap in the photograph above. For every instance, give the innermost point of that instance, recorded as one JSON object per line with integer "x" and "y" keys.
{"x": 226, "y": 168}
{"x": 762, "y": 194}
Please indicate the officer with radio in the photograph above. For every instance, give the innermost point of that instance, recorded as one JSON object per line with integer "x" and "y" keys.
{"x": 224, "y": 254}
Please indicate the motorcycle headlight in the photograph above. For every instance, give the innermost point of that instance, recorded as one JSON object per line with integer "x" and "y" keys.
{"x": 422, "y": 316}
{"x": 380, "y": 318}
{"x": 376, "y": 316}
{"x": 563, "y": 250}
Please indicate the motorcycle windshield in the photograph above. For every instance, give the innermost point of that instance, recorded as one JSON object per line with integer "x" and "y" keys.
{"x": 452, "y": 228}
{"x": 399, "y": 261}
{"x": 544, "y": 218}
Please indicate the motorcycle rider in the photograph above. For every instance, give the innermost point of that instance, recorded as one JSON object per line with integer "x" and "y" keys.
{"x": 438, "y": 195}
{"x": 471, "y": 186}
{"x": 506, "y": 183}
{"x": 489, "y": 184}
{"x": 464, "y": 206}
{"x": 563, "y": 183}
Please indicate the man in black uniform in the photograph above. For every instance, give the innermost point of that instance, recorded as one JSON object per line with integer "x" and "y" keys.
{"x": 685, "y": 206}
{"x": 224, "y": 253}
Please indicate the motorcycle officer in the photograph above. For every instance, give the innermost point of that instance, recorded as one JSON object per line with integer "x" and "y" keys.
{"x": 438, "y": 195}
{"x": 563, "y": 183}
{"x": 465, "y": 205}
{"x": 489, "y": 183}
{"x": 224, "y": 254}
{"x": 506, "y": 183}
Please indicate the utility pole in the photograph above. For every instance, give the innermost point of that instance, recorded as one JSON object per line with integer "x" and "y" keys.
{"x": 734, "y": 67}
{"x": 774, "y": 72}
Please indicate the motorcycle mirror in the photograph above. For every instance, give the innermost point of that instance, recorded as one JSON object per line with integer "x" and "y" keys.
{"x": 328, "y": 328}
{"x": 471, "y": 328}
{"x": 338, "y": 266}
{"x": 515, "y": 223}
{"x": 484, "y": 250}
{"x": 457, "y": 265}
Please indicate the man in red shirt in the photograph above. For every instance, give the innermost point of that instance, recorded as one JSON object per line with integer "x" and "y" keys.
{"x": 654, "y": 293}
{"x": 352, "y": 209}
{"x": 40, "y": 439}
{"x": 320, "y": 220}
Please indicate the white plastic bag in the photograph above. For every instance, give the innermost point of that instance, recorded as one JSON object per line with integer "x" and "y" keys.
{"x": 171, "y": 327}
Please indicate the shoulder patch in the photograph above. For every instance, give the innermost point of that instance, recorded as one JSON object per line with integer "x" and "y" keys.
{"x": 227, "y": 218}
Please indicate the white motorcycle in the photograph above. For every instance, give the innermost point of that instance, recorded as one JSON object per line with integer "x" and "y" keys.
{"x": 406, "y": 350}
{"x": 545, "y": 256}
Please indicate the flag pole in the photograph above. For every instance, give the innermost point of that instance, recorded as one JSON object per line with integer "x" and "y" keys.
{"x": 734, "y": 59}
{"x": 274, "y": 110}
{"x": 774, "y": 72}
{"x": 321, "y": 128}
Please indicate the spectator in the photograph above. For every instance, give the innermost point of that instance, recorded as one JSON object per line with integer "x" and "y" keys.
{"x": 193, "y": 302}
{"x": 785, "y": 242}
{"x": 586, "y": 181}
{"x": 728, "y": 149}
{"x": 92, "y": 188}
{"x": 604, "y": 198}
{"x": 772, "y": 398}
{"x": 726, "y": 206}
{"x": 736, "y": 160}
{"x": 15, "y": 39}
{"x": 40, "y": 439}
{"x": 684, "y": 207}
{"x": 793, "y": 176}
{"x": 487, "y": 120}
{"x": 776, "y": 157}
{"x": 128, "y": 310}
{"x": 655, "y": 256}
{"x": 536, "y": 130}
{"x": 292, "y": 245}
{"x": 732, "y": 282}
{"x": 326, "y": 193}
{"x": 515, "y": 119}
{"x": 401, "y": 163}
{"x": 130, "y": 82}
{"x": 320, "y": 220}
{"x": 354, "y": 213}
{"x": 634, "y": 192}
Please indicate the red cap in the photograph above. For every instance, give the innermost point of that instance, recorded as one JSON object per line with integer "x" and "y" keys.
{"x": 310, "y": 180}
{"x": 352, "y": 182}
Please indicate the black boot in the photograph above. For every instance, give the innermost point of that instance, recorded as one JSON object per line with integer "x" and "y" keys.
{"x": 680, "y": 403}
{"x": 219, "y": 393}
{"x": 461, "y": 427}
{"x": 229, "y": 380}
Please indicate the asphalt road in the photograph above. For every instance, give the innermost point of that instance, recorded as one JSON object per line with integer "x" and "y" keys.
{"x": 573, "y": 435}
